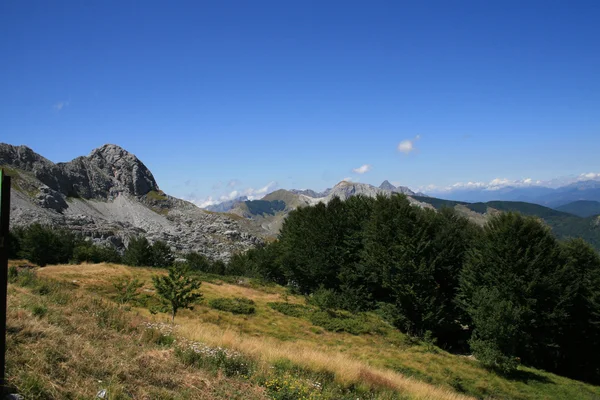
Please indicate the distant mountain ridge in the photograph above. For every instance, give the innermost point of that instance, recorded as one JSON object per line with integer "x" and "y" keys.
{"x": 270, "y": 212}
{"x": 550, "y": 197}
{"x": 563, "y": 224}
{"x": 582, "y": 208}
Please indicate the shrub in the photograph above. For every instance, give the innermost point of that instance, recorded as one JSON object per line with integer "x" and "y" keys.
{"x": 27, "y": 278}
{"x": 324, "y": 299}
{"x": 13, "y": 274}
{"x": 88, "y": 252}
{"x": 237, "y": 305}
{"x": 291, "y": 309}
{"x": 161, "y": 254}
{"x": 45, "y": 245}
{"x": 197, "y": 262}
{"x": 178, "y": 289}
{"x": 39, "y": 310}
{"x": 138, "y": 252}
{"x": 127, "y": 289}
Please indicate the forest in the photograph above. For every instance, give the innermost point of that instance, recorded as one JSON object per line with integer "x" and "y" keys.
{"x": 508, "y": 293}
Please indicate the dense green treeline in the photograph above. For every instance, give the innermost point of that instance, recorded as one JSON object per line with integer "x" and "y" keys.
{"x": 509, "y": 292}
{"x": 44, "y": 245}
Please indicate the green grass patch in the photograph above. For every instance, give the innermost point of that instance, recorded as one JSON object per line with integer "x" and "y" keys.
{"x": 333, "y": 320}
{"x": 156, "y": 195}
{"x": 291, "y": 309}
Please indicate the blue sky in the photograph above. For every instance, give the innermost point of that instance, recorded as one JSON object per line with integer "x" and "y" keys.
{"x": 223, "y": 96}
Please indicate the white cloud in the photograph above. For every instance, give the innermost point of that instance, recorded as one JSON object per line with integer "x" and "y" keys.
{"x": 347, "y": 179}
{"x": 230, "y": 196}
{"x": 588, "y": 176}
{"x": 494, "y": 184}
{"x": 499, "y": 183}
{"x": 202, "y": 203}
{"x": 251, "y": 193}
{"x": 408, "y": 146}
{"x": 60, "y": 105}
{"x": 362, "y": 169}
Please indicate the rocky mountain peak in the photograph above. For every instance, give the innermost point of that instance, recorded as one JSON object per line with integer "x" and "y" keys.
{"x": 104, "y": 173}
{"x": 386, "y": 185}
{"x": 125, "y": 171}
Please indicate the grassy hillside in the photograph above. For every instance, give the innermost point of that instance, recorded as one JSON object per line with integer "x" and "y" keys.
{"x": 581, "y": 208}
{"x": 68, "y": 338}
{"x": 563, "y": 224}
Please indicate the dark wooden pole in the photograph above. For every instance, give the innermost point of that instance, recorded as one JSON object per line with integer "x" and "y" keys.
{"x": 4, "y": 220}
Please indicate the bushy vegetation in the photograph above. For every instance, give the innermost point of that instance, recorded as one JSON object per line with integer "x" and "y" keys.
{"x": 332, "y": 320}
{"x": 509, "y": 293}
{"x": 236, "y": 305}
{"x": 127, "y": 289}
{"x": 90, "y": 253}
{"x": 140, "y": 253}
{"x": 44, "y": 245}
{"x": 179, "y": 290}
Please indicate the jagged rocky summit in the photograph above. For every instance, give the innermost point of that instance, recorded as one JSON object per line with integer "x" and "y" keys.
{"x": 110, "y": 196}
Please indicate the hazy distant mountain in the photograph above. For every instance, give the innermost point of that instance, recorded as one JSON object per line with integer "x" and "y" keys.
{"x": 582, "y": 208}
{"x": 226, "y": 205}
{"x": 550, "y": 197}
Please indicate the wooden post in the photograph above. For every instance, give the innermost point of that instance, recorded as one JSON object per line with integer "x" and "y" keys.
{"x": 4, "y": 220}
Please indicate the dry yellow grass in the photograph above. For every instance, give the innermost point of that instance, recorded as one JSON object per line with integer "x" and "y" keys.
{"x": 385, "y": 360}
{"x": 61, "y": 352}
{"x": 346, "y": 369}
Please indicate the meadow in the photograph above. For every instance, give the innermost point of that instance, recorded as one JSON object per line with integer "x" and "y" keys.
{"x": 69, "y": 338}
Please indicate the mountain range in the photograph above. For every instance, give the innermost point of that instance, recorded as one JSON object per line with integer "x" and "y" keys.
{"x": 588, "y": 190}
{"x": 110, "y": 196}
{"x": 576, "y": 219}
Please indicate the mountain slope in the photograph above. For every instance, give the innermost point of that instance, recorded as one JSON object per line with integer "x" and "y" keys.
{"x": 110, "y": 196}
{"x": 581, "y": 208}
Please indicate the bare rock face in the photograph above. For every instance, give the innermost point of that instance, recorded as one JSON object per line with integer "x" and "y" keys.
{"x": 110, "y": 196}
{"x": 106, "y": 172}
